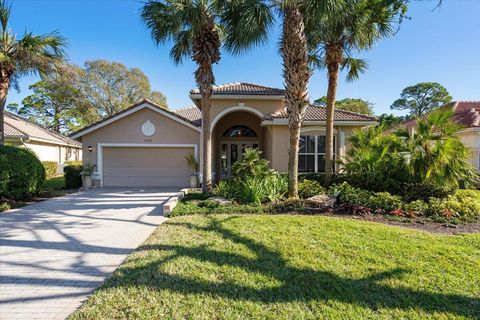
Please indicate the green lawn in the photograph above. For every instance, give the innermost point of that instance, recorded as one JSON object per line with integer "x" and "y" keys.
{"x": 292, "y": 267}
{"x": 54, "y": 187}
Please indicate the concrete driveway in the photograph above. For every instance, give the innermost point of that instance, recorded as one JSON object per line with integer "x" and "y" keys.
{"x": 54, "y": 253}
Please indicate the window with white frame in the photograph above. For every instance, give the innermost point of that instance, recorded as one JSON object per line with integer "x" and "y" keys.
{"x": 311, "y": 156}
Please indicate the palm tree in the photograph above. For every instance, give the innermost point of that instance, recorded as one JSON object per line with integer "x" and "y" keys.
{"x": 39, "y": 54}
{"x": 197, "y": 29}
{"x": 435, "y": 153}
{"x": 335, "y": 37}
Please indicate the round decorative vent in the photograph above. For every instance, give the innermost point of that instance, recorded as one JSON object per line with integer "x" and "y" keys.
{"x": 148, "y": 129}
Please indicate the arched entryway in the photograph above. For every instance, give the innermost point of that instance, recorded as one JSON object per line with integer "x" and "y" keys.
{"x": 232, "y": 134}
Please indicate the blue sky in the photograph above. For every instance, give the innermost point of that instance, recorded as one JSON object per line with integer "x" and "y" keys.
{"x": 441, "y": 46}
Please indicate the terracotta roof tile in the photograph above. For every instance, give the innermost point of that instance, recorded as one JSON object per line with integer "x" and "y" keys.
{"x": 319, "y": 113}
{"x": 243, "y": 88}
{"x": 467, "y": 113}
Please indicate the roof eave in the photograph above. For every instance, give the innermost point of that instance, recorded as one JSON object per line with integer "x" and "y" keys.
{"x": 284, "y": 121}
{"x": 197, "y": 96}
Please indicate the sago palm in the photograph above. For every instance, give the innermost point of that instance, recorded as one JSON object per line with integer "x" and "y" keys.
{"x": 39, "y": 54}
{"x": 355, "y": 26}
{"x": 198, "y": 29}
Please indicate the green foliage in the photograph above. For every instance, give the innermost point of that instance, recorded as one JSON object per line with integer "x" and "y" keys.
{"x": 50, "y": 167}
{"x": 464, "y": 204}
{"x": 74, "y": 163}
{"x": 252, "y": 165}
{"x": 109, "y": 87}
{"x": 350, "y": 104}
{"x": 253, "y": 181}
{"x": 309, "y": 188}
{"x": 389, "y": 120}
{"x": 73, "y": 176}
{"x": 430, "y": 162}
{"x": 53, "y": 101}
{"x": 21, "y": 173}
{"x": 4, "y": 206}
{"x": 87, "y": 169}
{"x": 192, "y": 163}
{"x": 422, "y": 98}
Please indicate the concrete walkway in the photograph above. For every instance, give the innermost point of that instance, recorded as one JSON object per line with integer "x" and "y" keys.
{"x": 54, "y": 253}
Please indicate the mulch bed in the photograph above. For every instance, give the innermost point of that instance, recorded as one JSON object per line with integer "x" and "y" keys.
{"x": 410, "y": 223}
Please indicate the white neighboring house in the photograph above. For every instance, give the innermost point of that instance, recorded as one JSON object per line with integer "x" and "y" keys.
{"x": 47, "y": 145}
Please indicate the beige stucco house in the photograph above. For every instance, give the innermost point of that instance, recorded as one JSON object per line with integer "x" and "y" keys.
{"x": 146, "y": 145}
{"x": 47, "y": 145}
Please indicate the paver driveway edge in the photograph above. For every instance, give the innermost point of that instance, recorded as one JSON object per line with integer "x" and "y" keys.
{"x": 55, "y": 253}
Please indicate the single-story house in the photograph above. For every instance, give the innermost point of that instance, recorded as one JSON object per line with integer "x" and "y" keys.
{"x": 146, "y": 145}
{"x": 47, "y": 145}
{"x": 467, "y": 114}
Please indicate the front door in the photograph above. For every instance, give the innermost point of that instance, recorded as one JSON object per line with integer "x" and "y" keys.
{"x": 231, "y": 152}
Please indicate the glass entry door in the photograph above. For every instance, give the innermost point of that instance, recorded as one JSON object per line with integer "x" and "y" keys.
{"x": 231, "y": 152}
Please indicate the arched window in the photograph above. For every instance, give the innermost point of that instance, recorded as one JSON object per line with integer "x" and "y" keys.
{"x": 239, "y": 132}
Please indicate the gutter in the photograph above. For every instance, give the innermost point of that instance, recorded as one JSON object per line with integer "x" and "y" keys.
{"x": 284, "y": 122}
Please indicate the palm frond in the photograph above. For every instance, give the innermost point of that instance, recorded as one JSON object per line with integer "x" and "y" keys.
{"x": 355, "y": 67}
{"x": 5, "y": 10}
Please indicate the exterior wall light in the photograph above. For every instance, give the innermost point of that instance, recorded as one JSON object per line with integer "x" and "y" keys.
{"x": 90, "y": 149}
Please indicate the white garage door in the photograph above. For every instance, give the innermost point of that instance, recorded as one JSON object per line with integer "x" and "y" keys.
{"x": 146, "y": 167}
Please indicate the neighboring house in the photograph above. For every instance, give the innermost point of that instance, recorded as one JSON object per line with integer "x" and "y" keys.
{"x": 467, "y": 113}
{"x": 146, "y": 145}
{"x": 47, "y": 145}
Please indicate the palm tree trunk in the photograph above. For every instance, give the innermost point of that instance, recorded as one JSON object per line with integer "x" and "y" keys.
{"x": 206, "y": 48}
{"x": 296, "y": 74}
{"x": 4, "y": 85}
{"x": 333, "y": 60}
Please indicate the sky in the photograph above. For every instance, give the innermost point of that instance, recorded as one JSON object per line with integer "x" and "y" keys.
{"x": 441, "y": 45}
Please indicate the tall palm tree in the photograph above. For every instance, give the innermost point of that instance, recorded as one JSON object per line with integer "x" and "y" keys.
{"x": 334, "y": 38}
{"x": 296, "y": 73}
{"x": 39, "y": 54}
{"x": 198, "y": 28}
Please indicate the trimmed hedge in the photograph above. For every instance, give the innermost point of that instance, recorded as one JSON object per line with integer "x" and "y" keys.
{"x": 22, "y": 175}
{"x": 50, "y": 167}
{"x": 74, "y": 163}
{"x": 73, "y": 176}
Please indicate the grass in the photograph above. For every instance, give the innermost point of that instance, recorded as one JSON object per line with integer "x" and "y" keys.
{"x": 292, "y": 267}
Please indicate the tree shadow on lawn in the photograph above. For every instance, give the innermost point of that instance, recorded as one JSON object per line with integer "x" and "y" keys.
{"x": 297, "y": 284}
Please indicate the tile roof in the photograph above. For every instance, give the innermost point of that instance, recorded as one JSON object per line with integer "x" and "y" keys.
{"x": 173, "y": 113}
{"x": 16, "y": 126}
{"x": 314, "y": 113}
{"x": 319, "y": 113}
{"x": 191, "y": 113}
{"x": 13, "y": 132}
{"x": 467, "y": 113}
{"x": 243, "y": 88}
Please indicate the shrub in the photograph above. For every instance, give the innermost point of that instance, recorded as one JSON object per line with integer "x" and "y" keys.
{"x": 430, "y": 162}
{"x": 385, "y": 201}
{"x": 309, "y": 188}
{"x": 21, "y": 173}
{"x": 50, "y": 167}
{"x": 73, "y": 176}
{"x": 4, "y": 206}
{"x": 74, "y": 163}
{"x": 417, "y": 207}
{"x": 464, "y": 204}
{"x": 253, "y": 181}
